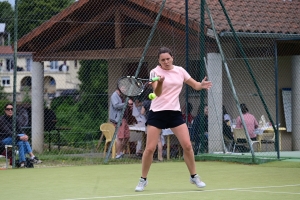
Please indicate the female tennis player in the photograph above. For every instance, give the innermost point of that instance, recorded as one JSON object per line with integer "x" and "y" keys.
{"x": 165, "y": 112}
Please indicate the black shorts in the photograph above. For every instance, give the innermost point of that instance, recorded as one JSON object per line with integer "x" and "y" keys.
{"x": 165, "y": 119}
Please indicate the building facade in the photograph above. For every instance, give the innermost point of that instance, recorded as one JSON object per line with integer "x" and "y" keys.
{"x": 58, "y": 75}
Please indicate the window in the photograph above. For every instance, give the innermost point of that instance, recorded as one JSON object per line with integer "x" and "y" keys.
{"x": 9, "y": 64}
{"x": 52, "y": 81}
{"x": 5, "y": 81}
{"x": 28, "y": 64}
{"x": 54, "y": 65}
{"x": 75, "y": 64}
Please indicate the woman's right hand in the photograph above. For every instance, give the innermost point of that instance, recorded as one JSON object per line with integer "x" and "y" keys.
{"x": 161, "y": 78}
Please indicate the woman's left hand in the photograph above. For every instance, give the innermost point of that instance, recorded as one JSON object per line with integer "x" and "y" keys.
{"x": 205, "y": 84}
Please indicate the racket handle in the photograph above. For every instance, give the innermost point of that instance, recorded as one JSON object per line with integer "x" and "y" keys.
{"x": 155, "y": 78}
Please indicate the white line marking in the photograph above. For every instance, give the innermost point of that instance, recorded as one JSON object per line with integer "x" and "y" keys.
{"x": 185, "y": 192}
{"x": 267, "y": 192}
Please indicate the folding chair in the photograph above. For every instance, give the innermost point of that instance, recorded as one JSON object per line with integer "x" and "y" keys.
{"x": 239, "y": 135}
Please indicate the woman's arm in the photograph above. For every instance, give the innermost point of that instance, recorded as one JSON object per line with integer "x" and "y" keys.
{"x": 204, "y": 84}
{"x": 157, "y": 86}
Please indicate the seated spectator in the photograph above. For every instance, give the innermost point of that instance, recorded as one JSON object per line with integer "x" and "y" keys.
{"x": 136, "y": 111}
{"x": 227, "y": 124}
{"x": 226, "y": 116}
{"x": 200, "y": 140}
{"x": 141, "y": 120}
{"x": 251, "y": 125}
{"x": 250, "y": 121}
{"x": 6, "y": 134}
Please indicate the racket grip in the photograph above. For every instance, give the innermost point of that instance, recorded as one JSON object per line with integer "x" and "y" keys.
{"x": 155, "y": 78}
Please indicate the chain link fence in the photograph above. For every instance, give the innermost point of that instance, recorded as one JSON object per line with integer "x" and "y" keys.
{"x": 83, "y": 48}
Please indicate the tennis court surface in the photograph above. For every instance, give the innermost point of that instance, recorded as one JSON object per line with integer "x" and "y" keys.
{"x": 168, "y": 180}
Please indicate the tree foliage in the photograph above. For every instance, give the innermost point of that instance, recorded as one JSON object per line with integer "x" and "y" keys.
{"x": 94, "y": 84}
{"x": 32, "y": 13}
{"x": 86, "y": 113}
{"x": 6, "y": 15}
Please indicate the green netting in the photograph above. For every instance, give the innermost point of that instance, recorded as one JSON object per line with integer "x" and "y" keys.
{"x": 70, "y": 55}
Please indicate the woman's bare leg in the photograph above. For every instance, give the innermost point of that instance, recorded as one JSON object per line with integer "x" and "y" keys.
{"x": 152, "y": 139}
{"x": 183, "y": 136}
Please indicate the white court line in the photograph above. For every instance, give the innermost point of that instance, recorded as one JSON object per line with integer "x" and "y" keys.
{"x": 297, "y": 193}
{"x": 185, "y": 192}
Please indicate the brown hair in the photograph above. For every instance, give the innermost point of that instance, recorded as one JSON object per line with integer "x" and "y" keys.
{"x": 164, "y": 50}
{"x": 244, "y": 108}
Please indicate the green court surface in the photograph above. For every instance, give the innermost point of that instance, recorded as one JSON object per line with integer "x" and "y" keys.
{"x": 169, "y": 180}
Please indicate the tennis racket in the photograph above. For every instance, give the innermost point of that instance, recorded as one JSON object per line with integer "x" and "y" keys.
{"x": 131, "y": 86}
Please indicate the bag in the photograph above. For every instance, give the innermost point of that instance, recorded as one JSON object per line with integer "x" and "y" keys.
{"x": 28, "y": 163}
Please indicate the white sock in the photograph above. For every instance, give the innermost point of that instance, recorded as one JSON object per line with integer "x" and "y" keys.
{"x": 32, "y": 157}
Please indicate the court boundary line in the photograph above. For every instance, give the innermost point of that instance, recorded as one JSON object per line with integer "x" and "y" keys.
{"x": 183, "y": 192}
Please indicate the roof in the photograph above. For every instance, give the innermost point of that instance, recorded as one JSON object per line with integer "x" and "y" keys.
{"x": 7, "y": 50}
{"x": 88, "y": 21}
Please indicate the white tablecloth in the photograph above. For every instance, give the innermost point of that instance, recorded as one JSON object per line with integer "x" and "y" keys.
{"x": 136, "y": 132}
{"x": 167, "y": 132}
{"x": 260, "y": 131}
{"x": 137, "y": 128}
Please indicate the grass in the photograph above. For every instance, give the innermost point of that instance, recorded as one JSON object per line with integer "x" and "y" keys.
{"x": 169, "y": 180}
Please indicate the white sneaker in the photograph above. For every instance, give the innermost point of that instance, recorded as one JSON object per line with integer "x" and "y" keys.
{"x": 141, "y": 185}
{"x": 196, "y": 180}
{"x": 119, "y": 156}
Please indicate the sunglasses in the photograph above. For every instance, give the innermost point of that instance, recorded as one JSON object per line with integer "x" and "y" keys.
{"x": 9, "y": 109}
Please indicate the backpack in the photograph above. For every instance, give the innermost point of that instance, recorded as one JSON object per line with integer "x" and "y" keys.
{"x": 28, "y": 163}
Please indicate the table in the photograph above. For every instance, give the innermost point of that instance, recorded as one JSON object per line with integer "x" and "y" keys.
{"x": 141, "y": 129}
{"x": 137, "y": 128}
{"x": 165, "y": 132}
{"x": 266, "y": 131}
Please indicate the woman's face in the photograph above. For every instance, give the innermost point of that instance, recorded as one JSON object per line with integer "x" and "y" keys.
{"x": 166, "y": 61}
{"x": 9, "y": 110}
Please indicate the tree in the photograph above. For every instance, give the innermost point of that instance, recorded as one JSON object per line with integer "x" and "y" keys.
{"x": 32, "y": 13}
{"x": 6, "y": 15}
{"x": 94, "y": 84}
{"x": 3, "y": 99}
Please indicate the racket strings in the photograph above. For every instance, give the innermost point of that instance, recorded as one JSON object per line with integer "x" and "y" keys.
{"x": 130, "y": 86}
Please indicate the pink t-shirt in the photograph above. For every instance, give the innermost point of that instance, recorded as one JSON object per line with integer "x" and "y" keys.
{"x": 251, "y": 124}
{"x": 171, "y": 88}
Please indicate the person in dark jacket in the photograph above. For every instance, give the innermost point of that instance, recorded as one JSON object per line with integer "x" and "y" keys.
{"x": 6, "y": 134}
{"x": 200, "y": 140}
